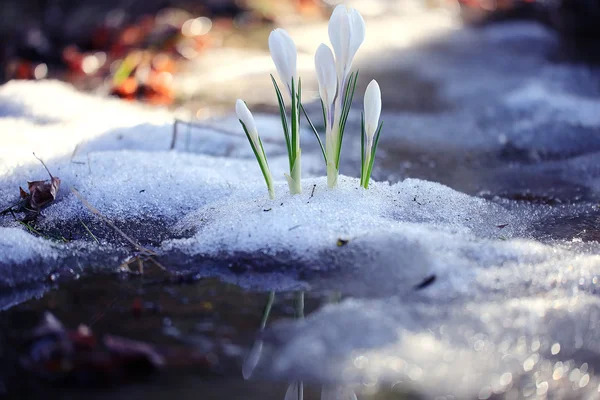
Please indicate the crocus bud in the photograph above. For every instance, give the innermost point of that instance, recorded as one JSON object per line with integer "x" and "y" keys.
{"x": 372, "y": 110}
{"x": 346, "y": 33}
{"x": 283, "y": 53}
{"x": 326, "y": 75}
{"x": 244, "y": 115}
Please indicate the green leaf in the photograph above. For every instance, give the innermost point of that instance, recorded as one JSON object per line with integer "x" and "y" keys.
{"x": 362, "y": 148}
{"x": 262, "y": 161}
{"x": 324, "y": 114}
{"x": 284, "y": 123}
{"x": 314, "y": 131}
{"x": 347, "y": 103}
{"x": 373, "y": 150}
{"x": 294, "y": 138}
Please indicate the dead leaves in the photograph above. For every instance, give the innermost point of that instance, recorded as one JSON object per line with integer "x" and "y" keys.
{"x": 41, "y": 194}
{"x": 80, "y": 355}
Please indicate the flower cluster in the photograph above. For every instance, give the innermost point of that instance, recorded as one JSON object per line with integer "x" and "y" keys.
{"x": 337, "y": 84}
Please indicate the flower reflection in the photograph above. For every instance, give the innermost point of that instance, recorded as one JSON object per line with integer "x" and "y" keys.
{"x": 253, "y": 357}
{"x": 295, "y": 391}
{"x": 337, "y": 393}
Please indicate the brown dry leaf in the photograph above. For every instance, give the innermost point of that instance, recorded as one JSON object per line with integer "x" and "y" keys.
{"x": 42, "y": 193}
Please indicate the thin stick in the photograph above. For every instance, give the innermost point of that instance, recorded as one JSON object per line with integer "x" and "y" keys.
{"x": 200, "y": 125}
{"x": 94, "y": 210}
{"x": 44, "y": 164}
{"x": 159, "y": 265}
{"x": 174, "y": 137}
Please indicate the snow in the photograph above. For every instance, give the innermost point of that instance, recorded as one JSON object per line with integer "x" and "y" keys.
{"x": 19, "y": 247}
{"x": 505, "y": 297}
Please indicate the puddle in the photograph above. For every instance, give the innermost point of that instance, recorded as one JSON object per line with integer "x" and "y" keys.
{"x": 216, "y": 320}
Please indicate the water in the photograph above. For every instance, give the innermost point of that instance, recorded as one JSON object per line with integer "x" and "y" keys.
{"x": 205, "y": 329}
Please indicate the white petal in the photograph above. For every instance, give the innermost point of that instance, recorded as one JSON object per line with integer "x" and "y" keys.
{"x": 294, "y": 392}
{"x": 346, "y": 33}
{"x": 284, "y": 55}
{"x": 372, "y": 108}
{"x": 339, "y": 36}
{"x": 244, "y": 115}
{"x": 357, "y": 24}
{"x": 326, "y": 75}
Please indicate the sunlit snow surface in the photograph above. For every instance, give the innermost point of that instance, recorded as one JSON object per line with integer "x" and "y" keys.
{"x": 511, "y": 311}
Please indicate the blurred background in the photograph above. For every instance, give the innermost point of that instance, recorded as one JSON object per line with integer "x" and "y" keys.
{"x": 178, "y": 53}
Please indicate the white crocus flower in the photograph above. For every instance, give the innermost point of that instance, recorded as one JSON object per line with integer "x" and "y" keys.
{"x": 284, "y": 55}
{"x": 346, "y": 33}
{"x": 337, "y": 393}
{"x": 326, "y": 75}
{"x": 244, "y": 115}
{"x": 249, "y": 125}
{"x": 371, "y": 129}
{"x": 372, "y": 112}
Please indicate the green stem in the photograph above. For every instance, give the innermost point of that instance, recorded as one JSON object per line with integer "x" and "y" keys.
{"x": 295, "y": 177}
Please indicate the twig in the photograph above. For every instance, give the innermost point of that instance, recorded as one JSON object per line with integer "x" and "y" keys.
{"x": 44, "y": 164}
{"x": 95, "y": 211}
{"x": 200, "y": 125}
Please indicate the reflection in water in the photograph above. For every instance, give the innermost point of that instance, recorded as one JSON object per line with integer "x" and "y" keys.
{"x": 181, "y": 321}
{"x": 337, "y": 393}
{"x": 254, "y": 356}
{"x": 295, "y": 390}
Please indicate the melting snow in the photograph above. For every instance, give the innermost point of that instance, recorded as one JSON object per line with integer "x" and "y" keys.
{"x": 507, "y": 313}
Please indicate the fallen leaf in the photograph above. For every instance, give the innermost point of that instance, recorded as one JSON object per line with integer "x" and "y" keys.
{"x": 42, "y": 193}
